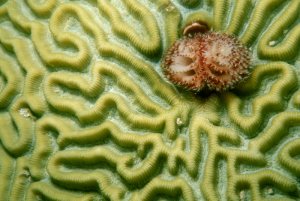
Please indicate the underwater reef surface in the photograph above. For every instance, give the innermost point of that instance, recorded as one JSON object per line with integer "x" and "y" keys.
{"x": 87, "y": 114}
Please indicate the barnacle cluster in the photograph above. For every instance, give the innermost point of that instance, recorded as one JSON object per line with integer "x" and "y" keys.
{"x": 86, "y": 112}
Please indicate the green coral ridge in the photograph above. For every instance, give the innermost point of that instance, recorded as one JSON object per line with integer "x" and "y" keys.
{"x": 86, "y": 113}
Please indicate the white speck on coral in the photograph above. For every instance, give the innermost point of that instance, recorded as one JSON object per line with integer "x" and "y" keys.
{"x": 272, "y": 43}
{"x": 179, "y": 121}
{"x": 57, "y": 90}
{"x": 89, "y": 105}
{"x": 242, "y": 196}
{"x": 25, "y": 112}
{"x": 26, "y": 174}
{"x": 270, "y": 191}
{"x": 170, "y": 8}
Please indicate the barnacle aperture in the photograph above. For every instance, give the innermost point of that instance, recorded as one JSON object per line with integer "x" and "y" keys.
{"x": 194, "y": 28}
{"x": 210, "y": 60}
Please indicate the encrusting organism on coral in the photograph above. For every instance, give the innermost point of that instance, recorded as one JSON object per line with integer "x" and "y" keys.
{"x": 206, "y": 60}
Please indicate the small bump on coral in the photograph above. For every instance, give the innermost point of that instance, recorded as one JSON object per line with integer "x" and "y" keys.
{"x": 25, "y": 112}
{"x": 272, "y": 43}
{"x": 179, "y": 122}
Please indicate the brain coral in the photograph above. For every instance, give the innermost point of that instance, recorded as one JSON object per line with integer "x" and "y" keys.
{"x": 87, "y": 114}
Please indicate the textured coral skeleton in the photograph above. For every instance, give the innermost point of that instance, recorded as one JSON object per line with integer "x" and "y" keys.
{"x": 87, "y": 114}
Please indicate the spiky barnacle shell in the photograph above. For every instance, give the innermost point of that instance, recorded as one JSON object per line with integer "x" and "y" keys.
{"x": 181, "y": 62}
{"x": 214, "y": 61}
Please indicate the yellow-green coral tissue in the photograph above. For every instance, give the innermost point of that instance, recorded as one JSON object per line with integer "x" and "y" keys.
{"x": 87, "y": 113}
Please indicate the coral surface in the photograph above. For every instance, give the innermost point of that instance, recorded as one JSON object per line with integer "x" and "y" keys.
{"x": 87, "y": 114}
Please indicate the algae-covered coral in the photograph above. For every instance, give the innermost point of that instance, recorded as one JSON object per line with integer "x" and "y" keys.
{"x": 86, "y": 113}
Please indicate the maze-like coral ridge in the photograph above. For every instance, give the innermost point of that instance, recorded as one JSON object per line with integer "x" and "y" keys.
{"x": 87, "y": 114}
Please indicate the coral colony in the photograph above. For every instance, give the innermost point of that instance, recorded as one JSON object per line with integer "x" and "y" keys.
{"x": 205, "y": 59}
{"x": 84, "y": 114}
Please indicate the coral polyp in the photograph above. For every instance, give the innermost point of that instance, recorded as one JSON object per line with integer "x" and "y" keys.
{"x": 212, "y": 60}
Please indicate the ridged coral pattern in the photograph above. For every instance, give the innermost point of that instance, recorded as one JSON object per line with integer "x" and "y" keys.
{"x": 87, "y": 114}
